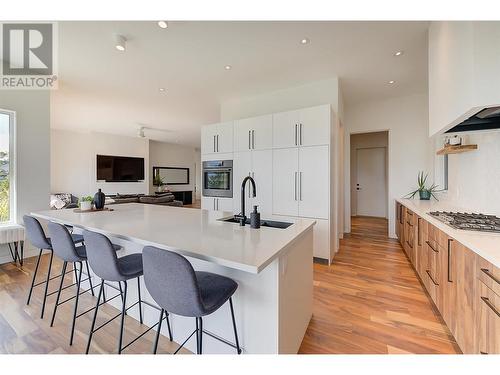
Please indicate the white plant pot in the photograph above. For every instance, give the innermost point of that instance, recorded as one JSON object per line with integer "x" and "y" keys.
{"x": 86, "y": 206}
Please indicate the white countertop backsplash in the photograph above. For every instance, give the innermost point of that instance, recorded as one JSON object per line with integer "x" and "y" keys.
{"x": 485, "y": 244}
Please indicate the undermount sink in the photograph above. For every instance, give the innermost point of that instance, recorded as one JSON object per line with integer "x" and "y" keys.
{"x": 263, "y": 223}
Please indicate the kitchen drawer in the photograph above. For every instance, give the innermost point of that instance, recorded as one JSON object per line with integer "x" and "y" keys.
{"x": 489, "y": 275}
{"x": 433, "y": 273}
{"x": 488, "y": 320}
{"x": 410, "y": 217}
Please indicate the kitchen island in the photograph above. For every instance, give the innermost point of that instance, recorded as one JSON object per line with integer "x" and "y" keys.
{"x": 273, "y": 268}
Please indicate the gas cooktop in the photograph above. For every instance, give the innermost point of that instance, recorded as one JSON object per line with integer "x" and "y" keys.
{"x": 465, "y": 221}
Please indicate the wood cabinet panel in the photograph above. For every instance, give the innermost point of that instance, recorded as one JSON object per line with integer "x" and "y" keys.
{"x": 488, "y": 320}
{"x": 489, "y": 275}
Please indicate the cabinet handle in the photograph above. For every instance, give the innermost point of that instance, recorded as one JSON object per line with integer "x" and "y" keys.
{"x": 249, "y": 139}
{"x": 429, "y": 244}
{"x": 253, "y": 139}
{"x": 449, "y": 260}
{"x": 217, "y": 142}
{"x": 296, "y": 134}
{"x": 214, "y": 143}
{"x": 295, "y": 187}
{"x": 490, "y": 305}
{"x": 300, "y": 134}
{"x": 490, "y": 275}
{"x": 300, "y": 185}
{"x": 419, "y": 242}
{"x": 214, "y": 204}
{"x": 430, "y": 277}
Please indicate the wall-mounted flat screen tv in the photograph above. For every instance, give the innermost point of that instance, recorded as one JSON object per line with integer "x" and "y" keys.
{"x": 120, "y": 168}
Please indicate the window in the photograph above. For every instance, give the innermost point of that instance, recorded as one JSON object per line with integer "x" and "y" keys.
{"x": 6, "y": 167}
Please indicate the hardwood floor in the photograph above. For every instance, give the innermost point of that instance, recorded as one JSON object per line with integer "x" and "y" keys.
{"x": 371, "y": 301}
{"x": 22, "y": 330}
{"x": 196, "y": 204}
{"x": 368, "y": 301}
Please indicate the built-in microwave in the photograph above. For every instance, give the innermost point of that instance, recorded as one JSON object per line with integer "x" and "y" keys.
{"x": 218, "y": 178}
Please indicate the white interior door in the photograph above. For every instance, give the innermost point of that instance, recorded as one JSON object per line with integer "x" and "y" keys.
{"x": 314, "y": 182}
{"x": 371, "y": 186}
{"x": 285, "y": 181}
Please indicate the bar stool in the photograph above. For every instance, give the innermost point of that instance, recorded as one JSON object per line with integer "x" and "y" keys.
{"x": 178, "y": 288}
{"x": 37, "y": 237}
{"x": 64, "y": 247}
{"x": 105, "y": 264}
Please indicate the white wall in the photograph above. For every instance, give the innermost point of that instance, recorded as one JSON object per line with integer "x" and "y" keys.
{"x": 473, "y": 177}
{"x": 309, "y": 95}
{"x": 410, "y": 150}
{"x": 364, "y": 140}
{"x": 163, "y": 154}
{"x": 73, "y": 162}
{"x": 33, "y": 150}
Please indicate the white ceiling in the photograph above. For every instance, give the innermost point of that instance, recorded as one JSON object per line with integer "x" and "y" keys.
{"x": 102, "y": 89}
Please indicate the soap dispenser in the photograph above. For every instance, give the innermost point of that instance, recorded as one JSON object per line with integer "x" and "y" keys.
{"x": 255, "y": 218}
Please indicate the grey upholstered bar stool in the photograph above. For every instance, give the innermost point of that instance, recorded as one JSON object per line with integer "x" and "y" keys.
{"x": 37, "y": 237}
{"x": 105, "y": 264}
{"x": 64, "y": 247}
{"x": 179, "y": 289}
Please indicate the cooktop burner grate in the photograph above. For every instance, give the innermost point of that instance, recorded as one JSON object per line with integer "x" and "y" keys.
{"x": 466, "y": 221}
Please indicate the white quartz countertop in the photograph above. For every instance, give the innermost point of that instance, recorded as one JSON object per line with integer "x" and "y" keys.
{"x": 191, "y": 232}
{"x": 486, "y": 245}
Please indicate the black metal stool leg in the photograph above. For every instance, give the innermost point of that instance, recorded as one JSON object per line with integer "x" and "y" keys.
{"x": 169, "y": 329}
{"x": 78, "y": 281}
{"x": 103, "y": 294}
{"x": 101, "y": 289}
{"x": 47, "y": 284}
{"x": 22, "y": 253}
{"x": 197, "y": 337}
{"x": 124, "y": 310}
{"x": 157, "y": 338}
{"x": 63, "y": 272}
{"x": 140, "y": 302}
{"x": 34, "y": 276}
{"x": 121, "y": 292}
{"x": 234, "y": 326}
{"x": 201, "y": 335}
{"x": 90, "y": 278}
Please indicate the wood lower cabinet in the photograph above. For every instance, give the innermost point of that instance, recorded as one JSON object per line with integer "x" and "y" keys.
{"x": 488, "y": 320}
{"x": 464, "y": 287}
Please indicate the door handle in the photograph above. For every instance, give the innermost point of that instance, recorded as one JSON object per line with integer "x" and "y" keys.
{"x": 253, "y": 139}
{"x": 300, "y": 134}
{"x": 295, "y": 186}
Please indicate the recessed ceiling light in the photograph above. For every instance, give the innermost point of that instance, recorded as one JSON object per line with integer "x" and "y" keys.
{"x": 120, "y": 42}
{"x": 304, "y": 41}
{"x": 391, "y": 82}
{"x": 162, "y": 89}
{"x": 163, "y": 24}
{"x": 228, "y": 67}
{"x": 398, "y": 53}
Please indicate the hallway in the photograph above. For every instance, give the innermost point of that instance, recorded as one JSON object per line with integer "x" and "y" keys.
{"x": 370, "y": 301}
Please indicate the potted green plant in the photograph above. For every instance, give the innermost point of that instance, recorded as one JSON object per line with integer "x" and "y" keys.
{"x": 85, "y": 203}
{"x": 425, "y": 193}
{"x": 159, "y": 182}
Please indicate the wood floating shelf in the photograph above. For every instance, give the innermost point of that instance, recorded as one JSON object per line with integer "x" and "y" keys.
{"x": 456, "y": 149}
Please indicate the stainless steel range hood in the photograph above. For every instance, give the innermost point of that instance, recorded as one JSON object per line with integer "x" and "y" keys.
{"x": 485, "y": 119}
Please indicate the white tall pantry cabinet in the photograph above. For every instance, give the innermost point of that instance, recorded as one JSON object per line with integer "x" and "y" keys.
{"x": 290, "y": 157}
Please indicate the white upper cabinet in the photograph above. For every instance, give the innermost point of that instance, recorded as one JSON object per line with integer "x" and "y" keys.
{"x": 217, "y": 138}
{"x": 314, "y": 126}
{"x": 304, "y": 127}
{"x": 254, "y": 133}
{"x": 285, "y": 129}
